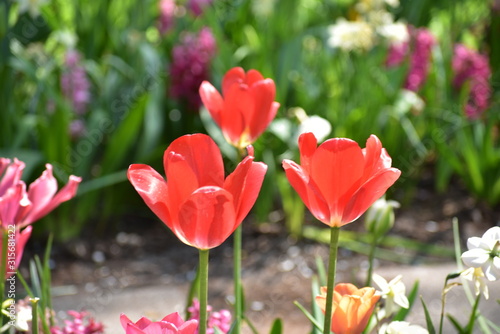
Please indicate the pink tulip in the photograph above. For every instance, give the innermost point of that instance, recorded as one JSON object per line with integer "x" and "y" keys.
{"x": 171, "y": 324}
{"x": 18, "y": 239}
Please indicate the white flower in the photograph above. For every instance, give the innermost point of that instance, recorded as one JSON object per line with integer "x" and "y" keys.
{"x": 484, "y": 252}
{"x": 393, "y": 293}
{"x": 351, "y": 35}
{"x": 23, "y": 316}
{"x": 476, "y": 276}
{"x": 31, "y": 6}
{"x": 402, "y": 327}
{"x": 320, "y": 127}
{"x": 394, "y": 33}
{"x": 392, "y": 3}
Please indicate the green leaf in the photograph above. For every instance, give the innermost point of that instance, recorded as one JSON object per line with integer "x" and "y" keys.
{"x": 428, "y": 320}
{"x": 277, "y": 327}
{"x": 473, "y": 316}
{"x": 309, "y": 316}
{"x": 456, "y": 324}
{"x": 125, "y": 136}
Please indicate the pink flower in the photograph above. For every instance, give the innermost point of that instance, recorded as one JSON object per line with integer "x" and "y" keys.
{"x": 220, "y": 319}
{"x": 19, "y": 240}
{"x": 197, "y": 6}
{"x": 420, "y": 46}
{"x": 74, "y": 82}
{"x": 77, "y": 325}
{"x": 470, "y": 66}
{"x": 21, "y": 207}
{"x": 171, "y": 324}
{"x": 167, "y": 15}
{"x": 190, "y": 66}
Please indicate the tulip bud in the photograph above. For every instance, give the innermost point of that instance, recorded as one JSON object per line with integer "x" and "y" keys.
{"x": 379, "y": 218}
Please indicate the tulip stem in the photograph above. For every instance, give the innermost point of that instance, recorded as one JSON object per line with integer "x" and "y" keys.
{"x": 371, "y": 257}
{"x": 334, "y": 243}
{"x": 202, "y": 329}
{"x": 238, "y": 299}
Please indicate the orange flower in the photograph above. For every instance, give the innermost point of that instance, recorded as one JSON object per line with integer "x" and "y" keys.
{"x": 351, "y": 309}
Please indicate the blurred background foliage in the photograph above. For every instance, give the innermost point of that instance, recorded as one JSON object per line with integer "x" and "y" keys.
{"x": 92, "y": 87}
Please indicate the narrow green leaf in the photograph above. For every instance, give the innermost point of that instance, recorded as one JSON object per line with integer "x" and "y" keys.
{"x": 277, "y": 327}
{"x": 309, "y": 316}
{"x": 456, "y": 324}
{"x": 473, "y": 316}
{"x": 428, "y": 320}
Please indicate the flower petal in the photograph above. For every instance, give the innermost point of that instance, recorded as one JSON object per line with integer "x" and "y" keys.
{"x": 234, "y": 76}
{"x": 263, "y": 94}
{"x": 307, "y": 190}
{"x": 206, "y": 218}
{"x": 152, "y": 188}
{"x": 245, "y": 184}
{"x": 475, "y": 257}
{"x": 368, "y": 193}
{"x": 212, "y": 100}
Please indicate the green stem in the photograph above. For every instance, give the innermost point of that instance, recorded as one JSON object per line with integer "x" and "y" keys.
{"x": 34, "y": 308}
{"x": 203, "y": 290}
{"x": 371, "y": 257}
{"x": 334, "y": 243}
{"x": 238, "y": 299}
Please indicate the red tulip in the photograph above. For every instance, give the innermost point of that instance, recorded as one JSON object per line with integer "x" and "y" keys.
{"x": 196, "y": 203}
{"x": 171, "y": 324}
{"x": 246, "y": 108}
{"x": 338, "y": 181}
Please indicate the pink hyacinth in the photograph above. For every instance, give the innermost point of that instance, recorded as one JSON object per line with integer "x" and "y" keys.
{"x": 220, "y": 319}
{"x": 197, "y": 6}
{"x": 19, "y": 240}
{"x": 167, "y": 15}
{"x": 74, "y": 82}
{"x": 470, "y": 66}
{"x": 81, "y": 323}
{"x": 171, "y": 324}
{"x": 420, "y": 46}
{"x": 190, "y": 66}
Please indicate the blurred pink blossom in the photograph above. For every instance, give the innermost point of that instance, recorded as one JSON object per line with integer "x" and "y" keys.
{"x": 20, "y": 207}
{"x": 170, "y": 324}
{"x": 190, "y": 66}
{"x": 74, "y": 82}
{"x": 78, "y": 325}
{"x": 197, "y": 6}
{"x": 167, "y": 15}
{"x": 19, "y": 239}
{"x": 220, "y": 319}
{"x": 472, "y": 67}
{"x": 420, "y": 47}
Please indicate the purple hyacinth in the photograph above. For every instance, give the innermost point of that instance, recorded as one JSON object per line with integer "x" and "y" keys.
{"x": 167, "y": 15}
{"x": 423, "y": 41}
{"x": 74, "y": 82}
{"x": 220, "y": 319}
{"x": 420, "y": 46}
{"x": 190, "y": 66}
{"x": 77, "y": 325}
{"x": 197, "y": 6}
{"x": 470, "y": 66}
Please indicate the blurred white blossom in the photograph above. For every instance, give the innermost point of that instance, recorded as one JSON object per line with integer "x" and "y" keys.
{"x": 484, "y": 252}
{"x": 476, "y": 276}
{"x": 402, "y": 327}
{"x": 394, "y": 293}
{"x": 351, "y": 35}
{"x": 319, "y": 126}
{"x": 394, "y": 33}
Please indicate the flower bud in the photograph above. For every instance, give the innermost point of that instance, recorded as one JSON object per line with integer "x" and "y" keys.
{"x": 379, "y": 218}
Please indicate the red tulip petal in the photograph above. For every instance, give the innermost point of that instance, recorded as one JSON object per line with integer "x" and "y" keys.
{"x": 253, "y": 76}
{"x": 237, "y": 109}
{"x": 202, "y": 156}
{"x": 236, "y": 75}
{"x": 244, "y": 184}
{"x": 376, "y": 157}
{"x": 307, "y": 190}
{"x": 189, "y": 327}
{"x": 337, "y": 166}
{"x": 307, "y": 147}
{"x": 212, "y": 100}
{"x": 124, "y": 321}
{"x": 263, "y": 94}
{"x": 152, "y": 188}
{"x": 368, "y": 193}
{"x": 40, "y": 193}
{"x": 207, "y": 218}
